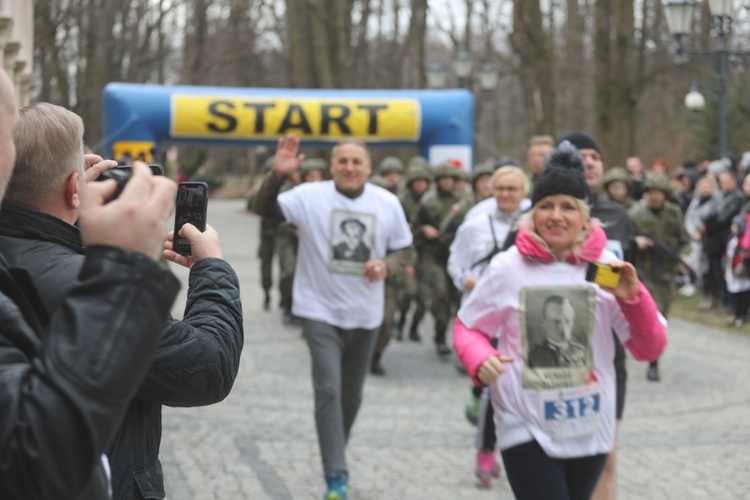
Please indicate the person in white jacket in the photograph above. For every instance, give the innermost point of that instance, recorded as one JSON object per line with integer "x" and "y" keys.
{"x": 478, "y": 239}
{"x": 555, "y": 423}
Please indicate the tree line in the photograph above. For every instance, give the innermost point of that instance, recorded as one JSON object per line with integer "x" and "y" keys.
{"x": 604, "y": 66}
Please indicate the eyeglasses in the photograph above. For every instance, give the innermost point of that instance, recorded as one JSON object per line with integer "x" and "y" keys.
{"x": 509, "y": 189}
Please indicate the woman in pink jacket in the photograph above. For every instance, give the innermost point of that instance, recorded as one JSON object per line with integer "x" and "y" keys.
{"x": 552, "y": 378}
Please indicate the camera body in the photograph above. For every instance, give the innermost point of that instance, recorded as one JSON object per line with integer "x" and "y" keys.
{"x": 603, "y": 275}
{"x": 121, "y": 175}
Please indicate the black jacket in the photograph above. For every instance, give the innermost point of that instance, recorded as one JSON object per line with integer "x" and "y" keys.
{"x": 197, "y": 358}
{"x": 718, "y": 223}
{"x": 64, "y": 390}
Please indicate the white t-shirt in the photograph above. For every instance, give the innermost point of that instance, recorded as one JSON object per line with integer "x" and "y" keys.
{"x": 567, "y": 405}
{"x": 337, "y": 235}
{"x": 474, "y": 241}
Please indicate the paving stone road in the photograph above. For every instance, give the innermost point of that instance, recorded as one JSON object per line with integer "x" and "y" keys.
{"x": 686, "y": 437}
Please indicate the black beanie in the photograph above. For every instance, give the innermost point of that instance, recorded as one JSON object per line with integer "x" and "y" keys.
{"x": 581, "y": 140}
{"x": 563, "y": 174}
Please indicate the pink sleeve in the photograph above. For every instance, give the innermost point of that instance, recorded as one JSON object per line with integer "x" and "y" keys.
{"x": 472, "y": 348}
{"x": 647, "y": 332}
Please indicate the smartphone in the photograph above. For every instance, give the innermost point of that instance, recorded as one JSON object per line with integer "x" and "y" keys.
{"x": 603, "y": 274}
{"x": 191, "y": 206}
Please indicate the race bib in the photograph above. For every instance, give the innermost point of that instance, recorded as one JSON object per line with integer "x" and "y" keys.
{"x": 571, "y": 412}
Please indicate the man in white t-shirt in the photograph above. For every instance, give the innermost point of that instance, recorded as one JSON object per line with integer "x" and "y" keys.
{"x": 338, "y": 294}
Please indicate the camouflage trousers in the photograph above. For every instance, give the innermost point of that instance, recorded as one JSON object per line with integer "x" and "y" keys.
{"x": 433, "y": 286}
{"x": 409, "y": 292}
{"x": 389, "y": 313}
{"x": 265, "y": 254}
{"x": 287, "y": 260}
{"x": 663, "y": 293}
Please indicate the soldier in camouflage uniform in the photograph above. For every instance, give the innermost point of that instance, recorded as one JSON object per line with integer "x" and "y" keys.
{"x": 417, "y": 184}
{"x": 662, "y": 243}
{"x": 480, "y": 190}
{"x": 617, "y": 184}
{"x": 310, "y": 170}
{"x": 268, "y": 232}
{"x": 392, "y": 284}
{"x": 462, "y": 183}
{"x": 433, "y": 256}
{"x": 391, "y": 169}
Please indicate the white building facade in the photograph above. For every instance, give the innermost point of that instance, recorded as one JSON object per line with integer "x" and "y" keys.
{"x": 17, "y": 44}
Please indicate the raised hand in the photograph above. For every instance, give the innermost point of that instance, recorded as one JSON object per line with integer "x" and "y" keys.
{"x": 287, "y": 159}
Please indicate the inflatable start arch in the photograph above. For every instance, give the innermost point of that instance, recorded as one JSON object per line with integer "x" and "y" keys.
{"x": 139, "y": 118}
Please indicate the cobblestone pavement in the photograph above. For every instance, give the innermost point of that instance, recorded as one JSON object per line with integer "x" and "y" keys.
{"x": 686, "y": 437}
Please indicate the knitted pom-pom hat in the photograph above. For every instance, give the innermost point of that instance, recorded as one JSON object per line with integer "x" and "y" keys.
{"x": 563, "y": 174}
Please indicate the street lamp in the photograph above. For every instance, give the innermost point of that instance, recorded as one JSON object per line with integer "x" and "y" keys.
{"x": 488, "y": 77}
{"x": 462, "y": 65}
{"x": 679, "y": 14}
{"x": 694, "y": 100}
{"x": 436, "y": 75}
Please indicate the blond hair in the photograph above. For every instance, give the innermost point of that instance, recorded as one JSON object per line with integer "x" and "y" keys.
{"x": 511, "y": 170}
{"x": 49, "y": 147}
{"x": 527, "y": 221}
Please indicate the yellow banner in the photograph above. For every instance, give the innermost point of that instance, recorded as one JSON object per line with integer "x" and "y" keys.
{"x": 263, "y": 118}
{"x": 137, "y": 150}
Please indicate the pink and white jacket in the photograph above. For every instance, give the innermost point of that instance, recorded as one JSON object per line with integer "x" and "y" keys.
{"x": 569, "y": 410}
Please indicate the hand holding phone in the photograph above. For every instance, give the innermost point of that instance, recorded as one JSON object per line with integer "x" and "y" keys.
{"x": 203, "y": 245}
{"x": 191, "y": 207}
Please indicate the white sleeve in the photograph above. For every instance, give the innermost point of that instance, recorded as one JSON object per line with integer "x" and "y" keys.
{"x": 458, "y": 267}
{"x": 292, "y": 204}
{"x": 481, "y": 311}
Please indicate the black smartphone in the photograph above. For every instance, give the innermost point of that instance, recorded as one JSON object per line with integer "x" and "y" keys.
{"x": 191, "y": 206}
{"x": 603, "y": 274}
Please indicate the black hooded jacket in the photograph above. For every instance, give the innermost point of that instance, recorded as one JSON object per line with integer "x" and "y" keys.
{"x": 197, "y": 358}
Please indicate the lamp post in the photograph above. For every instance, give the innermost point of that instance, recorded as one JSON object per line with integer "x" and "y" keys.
{"x": 462, "y": 65}
{"x": 488, "y": 77}
{"x": 436, "y": 75}
{"x": 679, "y": 15}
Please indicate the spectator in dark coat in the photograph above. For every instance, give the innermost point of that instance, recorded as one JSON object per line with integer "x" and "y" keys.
{"x": 716, "y": 232}
{"x": 65, "y": 388}
{"x": 197, "y": 358}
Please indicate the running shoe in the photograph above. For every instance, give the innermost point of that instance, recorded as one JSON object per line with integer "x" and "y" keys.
{"x": 337, "y": 486}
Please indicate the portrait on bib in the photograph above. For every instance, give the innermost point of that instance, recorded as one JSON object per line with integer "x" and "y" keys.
{"x": 352, "y": 237}
{"x": 556, "y": 326}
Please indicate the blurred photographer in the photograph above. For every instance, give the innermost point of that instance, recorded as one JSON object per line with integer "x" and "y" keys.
{"x": 197, "y": 358}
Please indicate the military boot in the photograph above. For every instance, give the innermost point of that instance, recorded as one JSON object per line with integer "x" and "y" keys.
{"x": 440, "y": 345}
{"x": 375, "y": 367}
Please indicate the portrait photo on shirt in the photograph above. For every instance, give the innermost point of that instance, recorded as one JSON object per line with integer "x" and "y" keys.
{"x": 556, "y": 329}
{"x": 352, "y": 238}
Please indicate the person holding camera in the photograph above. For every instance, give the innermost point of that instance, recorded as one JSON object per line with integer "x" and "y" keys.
{"x": 66, "y": 386}
{"x": 197, "y": 358}
{"x": 339, "y": 295}
{"x": 555, "y": 422}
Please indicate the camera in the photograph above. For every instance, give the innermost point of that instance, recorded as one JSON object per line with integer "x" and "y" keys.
{"x": 603, "y": 275}
{"x": 121, "y": 174}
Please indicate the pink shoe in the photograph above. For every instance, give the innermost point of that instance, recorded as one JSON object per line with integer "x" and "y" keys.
{"x": 487, "y": 467}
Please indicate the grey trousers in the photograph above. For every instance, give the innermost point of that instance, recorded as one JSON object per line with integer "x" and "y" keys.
{"x": 340, "y": 361}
